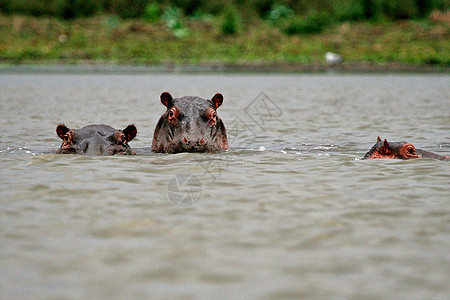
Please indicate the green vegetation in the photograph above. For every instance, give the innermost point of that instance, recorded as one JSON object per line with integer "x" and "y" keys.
{"x": 230, "y": 23}
{"x": 344, "y": 10}
{"x": 313, "y": 22}
{"x": 245, "y": 32}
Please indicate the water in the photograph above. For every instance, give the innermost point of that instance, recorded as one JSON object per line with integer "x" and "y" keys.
{"x": 289, "y": 211}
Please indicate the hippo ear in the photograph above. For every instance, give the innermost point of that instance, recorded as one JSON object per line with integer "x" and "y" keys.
{"x": 166, "y": 99}
{"x": 130, "y": 132}
{"x": 385, "y": 149}
{"x": 61, "y": 130}
{"x": 217, "y": 100}
{"x": 378, "y": 139}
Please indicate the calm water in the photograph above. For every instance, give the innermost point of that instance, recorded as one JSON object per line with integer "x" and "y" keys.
{"x": 289, "y": 211}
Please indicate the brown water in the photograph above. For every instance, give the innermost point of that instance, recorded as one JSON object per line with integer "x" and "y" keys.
{"x": 289, "y": 211}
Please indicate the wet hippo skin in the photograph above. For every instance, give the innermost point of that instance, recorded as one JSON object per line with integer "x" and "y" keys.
{"x": 399, "y": 150}
{"x": 96, "y": 140}
{"x": 190, "y": 124}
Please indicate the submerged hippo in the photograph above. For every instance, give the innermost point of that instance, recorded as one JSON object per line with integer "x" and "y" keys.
{"x": 96, "y": 140}
{"x": 190, "y": 124}
{"x": 400, "y": 150}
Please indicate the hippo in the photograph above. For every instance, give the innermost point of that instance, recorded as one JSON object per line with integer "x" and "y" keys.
{"x": 190, "y": 124}
{"x": 399, "y": 150}
{"x": 96, "y": 140}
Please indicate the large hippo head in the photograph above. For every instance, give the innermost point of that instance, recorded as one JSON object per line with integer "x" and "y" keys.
{"x": 96, "y": 140}
{"x": 190, "y": 124}
{"x": 399, "y": 150}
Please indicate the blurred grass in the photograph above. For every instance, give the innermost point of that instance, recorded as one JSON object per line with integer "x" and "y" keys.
{"x": 112, "y": 40}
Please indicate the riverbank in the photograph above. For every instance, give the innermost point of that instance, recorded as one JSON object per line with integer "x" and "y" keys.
{"x": 88, "y": 67}
{"x": 258, "y": 46}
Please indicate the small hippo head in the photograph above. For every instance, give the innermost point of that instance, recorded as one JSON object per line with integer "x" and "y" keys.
{"x": 190, "y": 124}
{"x": 96, "y": 140}
{"x": 398, "y": 150}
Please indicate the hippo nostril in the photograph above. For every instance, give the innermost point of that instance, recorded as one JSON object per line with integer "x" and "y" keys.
{"x": 202, "y": 141}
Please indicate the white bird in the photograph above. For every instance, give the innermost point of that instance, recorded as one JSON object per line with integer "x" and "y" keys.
{"x": 332, "y": 58}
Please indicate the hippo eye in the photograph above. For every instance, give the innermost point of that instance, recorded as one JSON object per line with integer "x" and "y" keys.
{"x": 172, "y": 116}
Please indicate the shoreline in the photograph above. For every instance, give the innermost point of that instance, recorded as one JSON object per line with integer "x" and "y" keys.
{"x": 252, "y": 68}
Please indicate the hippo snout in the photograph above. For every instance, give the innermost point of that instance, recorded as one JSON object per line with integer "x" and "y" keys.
{"x": 188, "y": 142}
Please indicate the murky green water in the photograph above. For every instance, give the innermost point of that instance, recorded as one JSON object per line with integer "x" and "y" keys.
{"x": 288, "y": 211}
